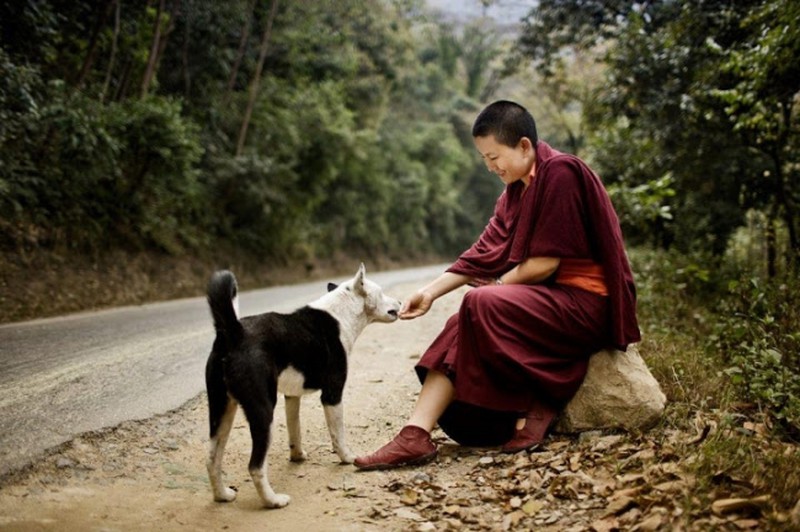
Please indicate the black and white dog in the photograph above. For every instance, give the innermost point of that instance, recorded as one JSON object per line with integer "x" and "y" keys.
{"x": 258, "y": 356}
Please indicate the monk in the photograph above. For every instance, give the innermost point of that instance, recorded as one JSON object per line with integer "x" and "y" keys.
{"x": 552, "y": 285}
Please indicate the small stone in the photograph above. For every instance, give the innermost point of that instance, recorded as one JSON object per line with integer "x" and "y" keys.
{"x": 421, "y": 478}
{"x": 64, "y": 463}
{"x": 589, "y": 435}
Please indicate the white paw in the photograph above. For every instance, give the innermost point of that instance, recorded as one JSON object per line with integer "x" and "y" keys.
{"x": 346, "y": 457}
{"x": 227, "y": 495}
{"x": 297, "y": 456}
{"x": 278, "y": 500}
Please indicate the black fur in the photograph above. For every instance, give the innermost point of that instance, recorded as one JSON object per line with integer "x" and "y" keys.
{"x": 249, "y": 354}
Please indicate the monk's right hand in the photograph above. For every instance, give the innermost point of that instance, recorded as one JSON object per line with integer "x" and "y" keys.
{"x": 416, "y": 305}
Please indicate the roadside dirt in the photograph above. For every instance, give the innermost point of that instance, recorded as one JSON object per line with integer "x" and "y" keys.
{"x": 150, "y": 474}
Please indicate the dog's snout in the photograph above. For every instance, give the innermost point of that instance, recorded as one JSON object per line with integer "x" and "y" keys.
{"x": 393, "y": 313}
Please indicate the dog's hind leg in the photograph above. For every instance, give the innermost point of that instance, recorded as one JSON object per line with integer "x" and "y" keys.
{"x": 260, "y": 418}
{"x": 334, "y": 416}
{"x": 296, "y": 452}
{"x": 221, "y": 429}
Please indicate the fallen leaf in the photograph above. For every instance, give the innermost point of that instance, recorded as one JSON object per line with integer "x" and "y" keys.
{"x": 409, "y": 497}
{"x": 630, "y": 478}
{"x": 575, "y": 462}
{"x": 606, "y": 442}
{"x": 725, "y": 506}
{"x": 673, "y": 486}
{"x": 721, "y": 477}
{"x": 701, "y": 436}
{"x": 628, "y": 492}
{"x": 607, "y": 524}
{"x": 650, "y": 523}
{"x": 510, "y": 521}
{"x": 794, "y": 515}
{"x": 533, "y": 506}
{"x": 405, "y": 513}
{"x": 617, "y": 506}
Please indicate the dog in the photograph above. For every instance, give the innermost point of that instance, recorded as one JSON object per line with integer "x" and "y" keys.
{"x": 257, "y": 357}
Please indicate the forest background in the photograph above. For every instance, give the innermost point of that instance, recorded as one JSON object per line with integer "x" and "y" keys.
{"x": 143, "y": 144}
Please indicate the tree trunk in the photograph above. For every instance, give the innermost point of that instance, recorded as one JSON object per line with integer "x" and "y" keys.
{"x": 240, "y": 52}
{"x": 151, "y": 60}
{"x": 187, "y": 78}
{"x": 113, "y": 58}
{"x": 91, "y": 53}
{"x": 124, "y": 81}
{"x": 771, "y": 244}
{"x": 790, "y": 218}
{"x": 162, "y": 45}
{"x": 256, "y": 82}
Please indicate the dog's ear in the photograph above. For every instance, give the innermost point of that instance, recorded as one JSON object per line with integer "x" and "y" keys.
{"x": 358, "y": 282}
{"x": 332, "y": 287}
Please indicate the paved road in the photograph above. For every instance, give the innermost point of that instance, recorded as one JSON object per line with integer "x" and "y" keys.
{"x": 60, "y": 377}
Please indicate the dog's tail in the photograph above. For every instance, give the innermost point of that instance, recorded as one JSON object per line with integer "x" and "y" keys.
{"x": 222, "y": 292}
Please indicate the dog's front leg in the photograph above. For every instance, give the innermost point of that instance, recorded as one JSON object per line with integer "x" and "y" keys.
{"x": 296, "y": 452}
{"x": 334, "y": 416}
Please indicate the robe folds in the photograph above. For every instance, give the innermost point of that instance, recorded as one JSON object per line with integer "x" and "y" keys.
{"x": 511, "y": 349}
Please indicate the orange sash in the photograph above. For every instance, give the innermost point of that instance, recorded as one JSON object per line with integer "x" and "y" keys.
{"x": 582, "y": 273}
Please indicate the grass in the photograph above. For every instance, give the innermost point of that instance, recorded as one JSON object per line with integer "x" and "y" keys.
{"x": 745, "y": 446}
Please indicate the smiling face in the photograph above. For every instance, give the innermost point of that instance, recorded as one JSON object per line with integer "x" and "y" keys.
{"x": 510, "y": 164}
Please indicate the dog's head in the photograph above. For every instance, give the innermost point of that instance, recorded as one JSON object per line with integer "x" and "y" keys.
{"x": 377, "y": 305}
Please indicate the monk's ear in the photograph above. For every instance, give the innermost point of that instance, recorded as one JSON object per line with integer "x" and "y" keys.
{"x": 526, "y": 144}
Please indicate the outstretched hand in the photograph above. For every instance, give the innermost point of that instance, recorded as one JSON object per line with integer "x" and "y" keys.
{"x": 416, "y": 305}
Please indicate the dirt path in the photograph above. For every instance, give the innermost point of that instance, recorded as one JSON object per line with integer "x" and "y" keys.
{"x": 150, "y": 475}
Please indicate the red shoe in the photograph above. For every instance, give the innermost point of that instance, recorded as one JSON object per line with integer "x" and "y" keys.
{"x": 537, "y": 423}
{"x": 412, "y": 445}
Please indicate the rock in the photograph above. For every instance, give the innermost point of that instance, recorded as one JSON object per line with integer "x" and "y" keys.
{"x": 64, "y": 463}
{"x": 618, "y": 392}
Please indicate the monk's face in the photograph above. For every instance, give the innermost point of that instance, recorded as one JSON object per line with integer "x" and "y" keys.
{"x": 510, "y": 164}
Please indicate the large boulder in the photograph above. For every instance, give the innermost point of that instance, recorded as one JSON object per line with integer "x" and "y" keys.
{"x": 618, "y": 392}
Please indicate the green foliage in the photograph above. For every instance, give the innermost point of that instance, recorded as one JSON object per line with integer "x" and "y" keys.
{"x": 736, "y": 332}
{"x": 672, "y": 288}
{"x": 158, "y": 195}
{"x": 77, "y": 174}
{"x": 57, "y": 158}
{"x": 758, "y": 337}
{"x": 644, "y": 207}
{"x": 703, "y": 91}
{"x": 356, "y": 141}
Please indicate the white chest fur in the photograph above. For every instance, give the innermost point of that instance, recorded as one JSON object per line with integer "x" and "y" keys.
{"x": 290, "y": 382}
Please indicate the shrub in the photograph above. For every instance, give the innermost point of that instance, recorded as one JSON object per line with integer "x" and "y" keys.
{"x": 758, "y": 339}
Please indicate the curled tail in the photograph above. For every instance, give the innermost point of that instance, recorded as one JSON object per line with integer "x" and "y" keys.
{"x": 222, "y": 292}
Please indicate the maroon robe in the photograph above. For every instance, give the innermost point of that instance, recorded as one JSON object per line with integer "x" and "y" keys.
{"x": 512, "y": 348}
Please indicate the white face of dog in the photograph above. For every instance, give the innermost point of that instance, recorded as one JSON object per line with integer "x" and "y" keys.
{"x": 377, "y": 305}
